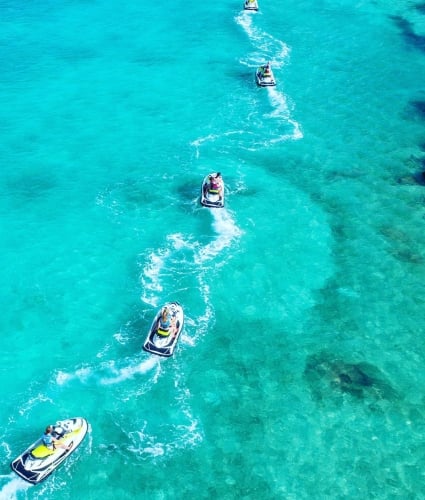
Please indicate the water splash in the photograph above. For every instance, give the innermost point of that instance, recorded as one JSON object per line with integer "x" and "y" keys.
{"x": 197, "y": 143}
{"x": 32, "y": 402}
{"x": 128, "y": 372}
{"x": 281, "y": 111}
{"x": 158, "y": 265}
{"x": 112, "y": 374}
{"x": 183, "y": 433}
{"x": 227, "y": 232}
{"x": 82, "y": 374}
{"x": 13, "y": 487}
{"x": 150, "y": 276}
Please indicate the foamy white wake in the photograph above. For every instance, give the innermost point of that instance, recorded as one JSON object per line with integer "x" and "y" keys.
{"x": 161, "y": 262}
{"x": 150, "y": 277}
{"x": 285, "y": 127}
{"x": 109, "y": 373}
{"x": 165, "y": 262}
{"x": 197, "y": 143}
{"x": 268, "y": 48}
{"x": 281, "y": 111}
{"x": 185, "y": 434}
{"x": 27, "y": 407}
{"x": 81, "y": 374}
{"x": 11, "y": 489}
{"x": 130, "y": 371}
{"x": 227, "y": 232}
{"x": 157, "y": 267}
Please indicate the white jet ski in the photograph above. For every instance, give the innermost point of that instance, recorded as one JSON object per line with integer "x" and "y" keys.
{"x": 165, "y": 330}
{"x": 264, "y": 76}
{"x": 250, "y": 5}
{"x": 212, "y": 191}
{"x": 39, "y": 461}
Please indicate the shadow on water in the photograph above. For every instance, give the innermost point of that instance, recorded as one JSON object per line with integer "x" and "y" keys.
{"x": 133, "y": 193}
{"x": 189, "y": 195}
{"x": 329, "y": 377}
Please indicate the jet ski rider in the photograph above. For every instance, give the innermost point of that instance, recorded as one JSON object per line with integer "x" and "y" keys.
{"x": 215, "y": 186}
{"x": 164, "y": 323}
{"x": 51, "y": 442}
{"x": 266, "y": 69}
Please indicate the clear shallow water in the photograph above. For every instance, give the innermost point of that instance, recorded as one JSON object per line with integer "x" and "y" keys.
{"x": 299, "y": 372}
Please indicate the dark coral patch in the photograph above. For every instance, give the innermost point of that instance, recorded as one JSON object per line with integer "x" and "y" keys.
{"x": 31, "y": 186}
{"x": 420, "y": 8}
{"x": 420, "y": 177}
{"x": 419, "y": 108}
{"x": 328, "y": 376}
{"x": 409, "y": 180}
{"x": 412, "y": 38}
{"x": 417, "y": 177}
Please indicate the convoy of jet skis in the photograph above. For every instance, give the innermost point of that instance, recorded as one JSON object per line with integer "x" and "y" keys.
{"x": 40, "y": 459}
{"x": 168, "y": 322}
{"x": 264, "y": 74}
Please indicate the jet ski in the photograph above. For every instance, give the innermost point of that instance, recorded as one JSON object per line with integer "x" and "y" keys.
{"x": 165, "y": 330}
{"x": 264, "y": 76}
{"x": 251, "y": 5}
{"x": 212, "y": 191}
{"x": 39, "y": 461}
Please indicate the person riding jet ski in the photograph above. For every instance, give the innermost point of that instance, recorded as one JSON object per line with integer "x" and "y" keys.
{"x": 50, "y": 441}
{"x": 215, "y": 186}
{"x": 266, "y": 69}
{"x": 164, "y": 323}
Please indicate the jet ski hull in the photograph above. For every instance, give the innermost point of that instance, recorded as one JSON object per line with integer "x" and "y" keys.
{"x": 158, "y": 344}
{"x": 264, "y": 80}
{"x": 38, "y": 461}
{"x": 208, "y": 199}
{"x": 251, "y": 5}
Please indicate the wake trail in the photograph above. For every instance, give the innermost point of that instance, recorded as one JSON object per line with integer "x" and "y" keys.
{"x": 111, "y": 373}
{"x": 281, "y": 111}
{"x": 130, "y": 371}
{"x": 150, "y": 276}
{"x": 227, "y": 232}
{"x": 11, "y": 489}
{"x": 165, "y": 261}
{"x": 184, "y": 428}
{"x": 197, "y": 143}
{"x": 269, "y": 48}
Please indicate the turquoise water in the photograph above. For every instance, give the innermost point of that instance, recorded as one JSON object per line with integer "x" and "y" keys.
{"x": 299, "y": 373}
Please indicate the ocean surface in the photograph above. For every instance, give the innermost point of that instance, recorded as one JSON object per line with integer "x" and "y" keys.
{"x": 300, "y": 370}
